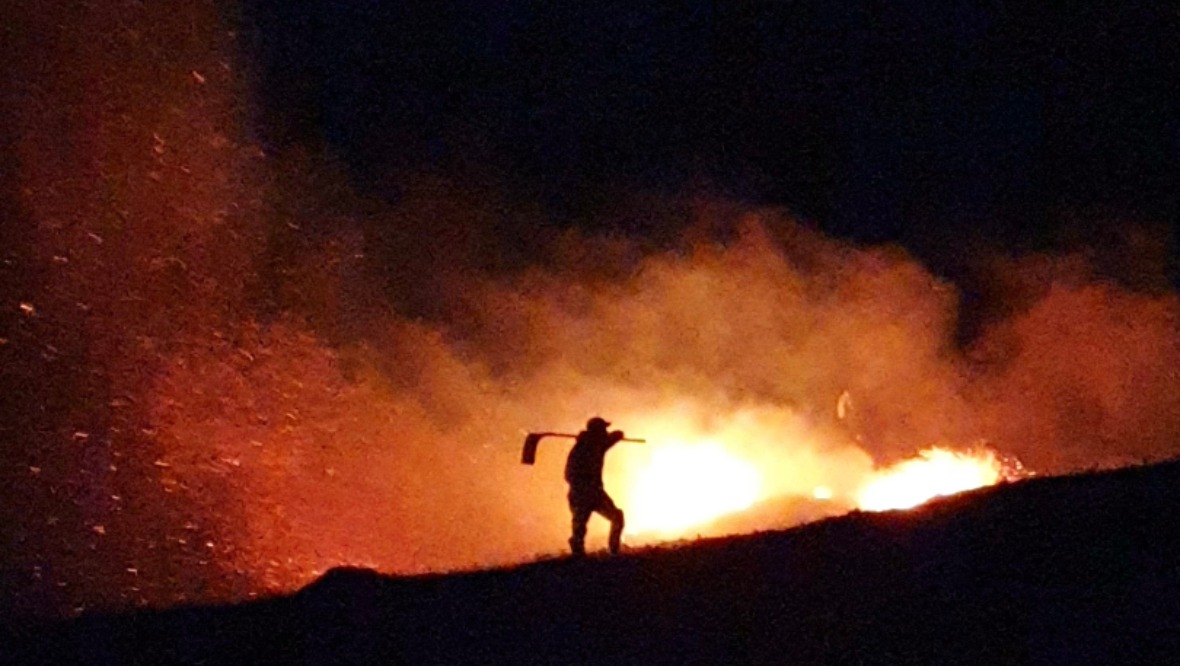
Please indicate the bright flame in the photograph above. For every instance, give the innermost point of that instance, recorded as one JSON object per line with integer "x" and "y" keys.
{"x": 685, "y": 485}
{"x": 694, "y": 476}
{"x": 933, "y": 473}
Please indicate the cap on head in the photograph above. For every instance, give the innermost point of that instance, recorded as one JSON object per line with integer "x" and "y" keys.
{"x": 597, "y": 423}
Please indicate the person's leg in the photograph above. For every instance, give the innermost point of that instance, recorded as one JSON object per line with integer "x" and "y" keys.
{"x": 614, "y": 514}
{"x": 580, "y": 516}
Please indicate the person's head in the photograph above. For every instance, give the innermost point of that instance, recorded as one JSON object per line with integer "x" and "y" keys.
{"x": 597, "y": 424}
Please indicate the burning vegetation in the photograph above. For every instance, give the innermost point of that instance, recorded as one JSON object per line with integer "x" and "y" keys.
{"x": 234, "y": 373}
{"x": 934, "y": 472}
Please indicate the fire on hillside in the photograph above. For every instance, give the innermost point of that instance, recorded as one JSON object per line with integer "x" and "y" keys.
{"x": 675, "y": 487}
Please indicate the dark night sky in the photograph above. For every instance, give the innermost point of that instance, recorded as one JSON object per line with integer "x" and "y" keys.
{"x": 915, "y": 122}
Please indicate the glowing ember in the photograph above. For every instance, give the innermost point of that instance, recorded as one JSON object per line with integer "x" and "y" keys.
{"x": 686, "y": 485}
{"x": 934, "y": 472}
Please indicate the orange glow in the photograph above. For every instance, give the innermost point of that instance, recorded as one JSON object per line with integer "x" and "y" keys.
{"x": 722, "y": 474}
{"x": 932, "y": 473}
{"x": 685, "y": 485}
{"x": 242, "y": 372}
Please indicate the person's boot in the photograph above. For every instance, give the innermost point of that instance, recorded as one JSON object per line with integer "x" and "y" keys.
{"x": 577, "y": 547}
{"x": 616, "y": 536}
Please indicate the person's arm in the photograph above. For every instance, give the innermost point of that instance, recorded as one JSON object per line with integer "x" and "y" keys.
{"x": 614, "y": 437}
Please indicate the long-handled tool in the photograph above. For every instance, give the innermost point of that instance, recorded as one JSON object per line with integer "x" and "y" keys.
{"x": 529, "y": 455}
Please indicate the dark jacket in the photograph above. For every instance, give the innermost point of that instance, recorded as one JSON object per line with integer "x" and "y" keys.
{"x": 583, "y": 468}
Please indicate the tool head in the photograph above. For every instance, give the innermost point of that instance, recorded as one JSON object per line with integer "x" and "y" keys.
{"x": 529, "y": 454}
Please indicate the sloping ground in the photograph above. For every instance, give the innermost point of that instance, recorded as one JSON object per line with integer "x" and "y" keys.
{"x": 1056, "y": 570}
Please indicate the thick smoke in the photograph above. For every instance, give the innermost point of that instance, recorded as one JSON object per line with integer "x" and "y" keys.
{"x": 399, "y": 449}
{"x": 237, "y": 373}
{"x": 1082, "y": 370}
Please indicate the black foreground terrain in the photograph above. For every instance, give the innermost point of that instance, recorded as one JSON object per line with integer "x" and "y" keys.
{"x": 1055, "y": 570}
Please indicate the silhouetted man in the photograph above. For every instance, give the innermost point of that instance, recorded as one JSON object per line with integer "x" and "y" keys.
{"x": 583, "y": 471}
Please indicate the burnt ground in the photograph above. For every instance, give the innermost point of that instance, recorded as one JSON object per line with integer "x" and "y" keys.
{"x": 1053, "y": 570}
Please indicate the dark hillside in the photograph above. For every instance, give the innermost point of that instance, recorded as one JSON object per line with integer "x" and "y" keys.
{"x": 1055, "y": 570}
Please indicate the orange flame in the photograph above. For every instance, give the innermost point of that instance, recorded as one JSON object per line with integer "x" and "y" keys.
{"x": 685, "y": 485}
{"x": 932, "y": 473}
{"x": 671, "y": 487}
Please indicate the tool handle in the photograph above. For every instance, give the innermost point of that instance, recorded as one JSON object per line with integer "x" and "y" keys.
{"x": 570, "y": 436}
